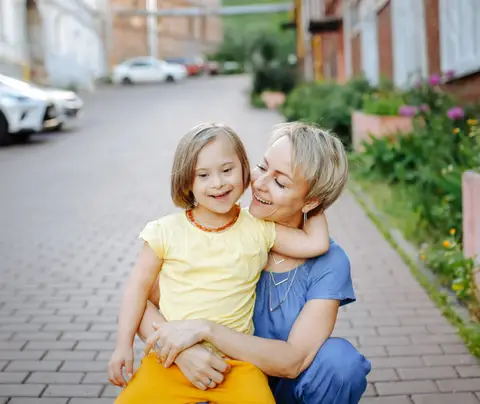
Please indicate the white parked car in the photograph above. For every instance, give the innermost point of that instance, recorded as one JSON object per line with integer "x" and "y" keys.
{"x": 65, "y": 105}
{"x": 147, "y": 70}
{"x": 22, "y": 114}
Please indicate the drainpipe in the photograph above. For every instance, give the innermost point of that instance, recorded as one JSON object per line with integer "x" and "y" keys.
{"x": 152, "y": 8}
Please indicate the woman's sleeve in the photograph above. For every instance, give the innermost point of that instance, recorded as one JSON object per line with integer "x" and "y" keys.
{"x": 330, "y": 277}
{"x": 153, "y": 235}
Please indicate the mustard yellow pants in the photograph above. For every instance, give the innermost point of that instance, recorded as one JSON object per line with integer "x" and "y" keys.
{"x": 153, "y": 384}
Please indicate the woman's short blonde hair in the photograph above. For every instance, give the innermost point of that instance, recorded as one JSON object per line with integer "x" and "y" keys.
{"x": 186, "y": 156}
{"x": 319, "y": 157}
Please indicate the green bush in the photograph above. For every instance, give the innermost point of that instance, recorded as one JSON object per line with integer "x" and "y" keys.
{"x": 328, "y": 104}
{"x": 383, "y": 103}
{"x": 273, "y": 78}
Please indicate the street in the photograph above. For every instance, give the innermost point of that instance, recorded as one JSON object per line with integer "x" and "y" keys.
{"x": 73, "y": 204}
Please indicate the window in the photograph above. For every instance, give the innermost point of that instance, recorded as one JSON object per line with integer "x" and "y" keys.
{"x": 369, "y": 41}
{"x": 460, "y": 36}
{"x": 409, "y": 41}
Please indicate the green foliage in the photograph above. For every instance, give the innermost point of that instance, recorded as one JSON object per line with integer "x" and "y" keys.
{"x": 429, "y": 163}
{"x": 388, "y": 103}
{"x": 328, "y": 104}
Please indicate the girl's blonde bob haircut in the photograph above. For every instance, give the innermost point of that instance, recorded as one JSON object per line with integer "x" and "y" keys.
{"x": 186, "y": 155}
{"x": 319, "y": 157}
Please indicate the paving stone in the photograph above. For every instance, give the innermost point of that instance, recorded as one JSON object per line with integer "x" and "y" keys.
{"x": 111, "y": 391}
{"x": 50, "y": 345}
{"x": 386, "y": 400}
{"x": 12, "y": 377}
{"x": 55, "y": 377}
{"x": 83, "y": 366}
{"x": 95, "y": 377}
{"x": 32, "y": 366}
{"x": 397, "y": 361}
{"x": 390, "y": 340}
{"x": 436, "y": 372}
{"x": 468, "y": 371}
{"x": 460, "y": 398}
{"x": 21, "y": 355}
{"x": 455, "y": 385}
{"x": 414, "y": 350}
{"x": 73, "y": 390}
{"x": 24, "y": 400}
{"x": 21, "y": 390}
{"x": 437, "y": 360}
{"x": 70, "y": 355}
{"x": 381, "y": 375}
{"x": 405, "y": 387}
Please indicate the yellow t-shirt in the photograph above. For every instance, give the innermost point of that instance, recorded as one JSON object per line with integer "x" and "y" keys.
{"x": 210, "y": 275}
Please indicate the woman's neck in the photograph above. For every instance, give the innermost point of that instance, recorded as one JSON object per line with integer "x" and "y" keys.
{"x": 293, "y": 221}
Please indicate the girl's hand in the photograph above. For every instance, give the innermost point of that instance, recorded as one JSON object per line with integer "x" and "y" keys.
{"x": 121, "y": 357}
{"x": 204, "y": 369}
{"x": 173, "y": 337}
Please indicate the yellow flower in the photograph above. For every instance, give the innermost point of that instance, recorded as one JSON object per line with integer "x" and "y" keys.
{"x": 456, "y": 131}
{"x": 472, "y": 122}
{"x": 452, "y": 232}
{"x": 446, "y": 243}
{"x": 456, "y": 287}
{"x": 422, "y": 257}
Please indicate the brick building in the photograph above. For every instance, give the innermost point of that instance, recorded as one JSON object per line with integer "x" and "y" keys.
{"x": 396, "y": 39}
{"x": 178, "y": 36}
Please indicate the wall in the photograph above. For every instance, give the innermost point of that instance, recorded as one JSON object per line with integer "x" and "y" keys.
{"x": 13, "y": 46}
{"x": 73, "y": 43}
{"x": 177, "y": 36}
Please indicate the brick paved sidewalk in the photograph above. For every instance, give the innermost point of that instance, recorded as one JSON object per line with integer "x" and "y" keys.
{"x": 72, "y": 208}
{"x": 416, "y": 355}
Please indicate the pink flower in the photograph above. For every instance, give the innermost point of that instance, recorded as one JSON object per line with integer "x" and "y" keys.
{"x": 456, "y": 113}
{"x": 424, "y": 108}
{"x": 407, "y": 110}
{"x": 449, "y": 74}
{"x": 434, "y": 80}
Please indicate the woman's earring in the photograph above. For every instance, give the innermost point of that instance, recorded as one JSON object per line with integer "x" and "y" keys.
{"x": 304, "y": 218}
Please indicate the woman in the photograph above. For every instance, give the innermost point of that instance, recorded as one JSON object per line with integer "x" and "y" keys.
{"x": 297, "y": 302}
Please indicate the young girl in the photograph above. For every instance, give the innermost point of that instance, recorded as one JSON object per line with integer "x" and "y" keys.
{"x": 209, "y": 258}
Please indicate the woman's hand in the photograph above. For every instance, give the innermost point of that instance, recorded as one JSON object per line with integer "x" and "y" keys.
{"x": 202, "y": 367}
{"x": 173, "y": 337}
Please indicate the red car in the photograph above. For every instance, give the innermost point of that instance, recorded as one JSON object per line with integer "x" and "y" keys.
{"x": 194, "y": 67}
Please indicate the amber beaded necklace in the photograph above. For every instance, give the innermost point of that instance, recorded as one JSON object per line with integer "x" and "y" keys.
{"x": 214, "y": 229}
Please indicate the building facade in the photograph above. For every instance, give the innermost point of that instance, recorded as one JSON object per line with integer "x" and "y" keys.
{"x": 59, "y": 42}
{"x": 177, "y": 36}
{"x": 401, "y": 40}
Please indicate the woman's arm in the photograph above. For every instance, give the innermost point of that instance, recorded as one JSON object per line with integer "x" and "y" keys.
{"x": 311, "y": 241}
{"x": 197, "y": 363}
{"x": 278, "y": 358}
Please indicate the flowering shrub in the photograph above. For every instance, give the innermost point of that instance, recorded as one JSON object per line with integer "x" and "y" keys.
{"x": 429, "y": 163}
{"x": 456, "y": 271}
{"x": 328, "y": 104}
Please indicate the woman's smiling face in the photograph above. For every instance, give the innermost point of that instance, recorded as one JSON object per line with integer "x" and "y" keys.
{"x": 278, "y": 194}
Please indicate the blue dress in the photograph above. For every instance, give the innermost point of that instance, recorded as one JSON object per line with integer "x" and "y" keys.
{"x": 338, "y": 373}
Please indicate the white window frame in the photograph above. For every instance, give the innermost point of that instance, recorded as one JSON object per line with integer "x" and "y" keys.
{"x": 459, "y": 36}
{"x": 369, "y": 53}
{"x": 408, "y": 41}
